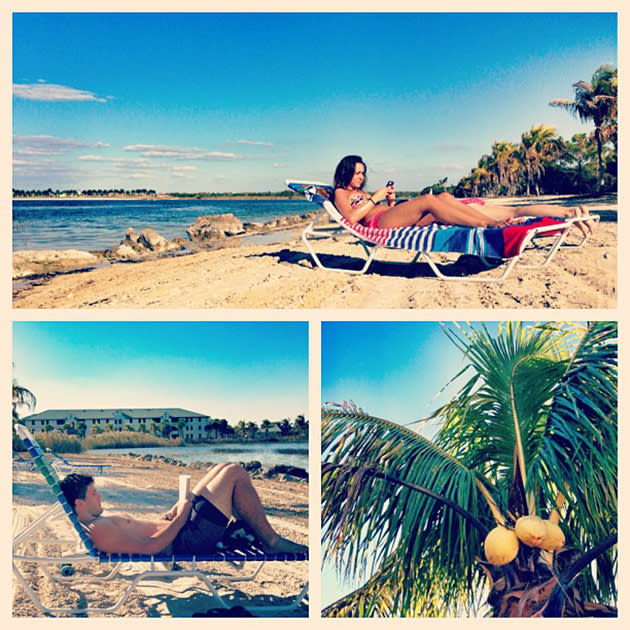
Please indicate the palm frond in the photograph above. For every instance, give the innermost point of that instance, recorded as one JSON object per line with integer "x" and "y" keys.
{"x": 578, "y": 452}
{"x": 366, "y": 519}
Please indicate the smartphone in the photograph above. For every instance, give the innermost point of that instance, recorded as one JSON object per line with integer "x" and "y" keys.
{"x": 389, "y": 183}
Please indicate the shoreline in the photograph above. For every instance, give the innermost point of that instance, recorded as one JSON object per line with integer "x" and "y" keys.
{"x": 283, "y": 275}
{"x": 166, "y": 197}
{"x": 50, "y": 262}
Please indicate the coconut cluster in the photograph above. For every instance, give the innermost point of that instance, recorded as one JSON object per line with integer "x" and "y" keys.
{"x": 502, "y": 544}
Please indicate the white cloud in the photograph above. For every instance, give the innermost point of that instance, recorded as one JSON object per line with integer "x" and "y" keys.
{"x": 53, "y": 93}
{"x": 262, "y": 144}
{"x": 116, "y": 160}
{"x": 184, "y": 168}
{"x": 181, "y": 153}
{"x": 49, "y": 145}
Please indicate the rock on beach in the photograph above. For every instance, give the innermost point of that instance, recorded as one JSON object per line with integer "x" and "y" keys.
{"x": 213, "y": 227}
{"x": 30, "y": 262}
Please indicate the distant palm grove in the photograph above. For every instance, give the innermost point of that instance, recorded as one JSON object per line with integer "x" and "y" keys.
{"x": 544, "y": 163}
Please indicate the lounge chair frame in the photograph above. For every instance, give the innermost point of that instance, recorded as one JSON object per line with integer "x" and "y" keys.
{"x": 64, "y": 467}
{"x": 78, "y": 550}
{"x": 557, "y": 233}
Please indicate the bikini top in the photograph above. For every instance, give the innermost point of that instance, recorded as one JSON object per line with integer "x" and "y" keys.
{"x": 357, "y": 198}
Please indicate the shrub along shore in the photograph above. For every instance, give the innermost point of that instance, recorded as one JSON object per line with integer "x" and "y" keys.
{"x": 61, "y": 442}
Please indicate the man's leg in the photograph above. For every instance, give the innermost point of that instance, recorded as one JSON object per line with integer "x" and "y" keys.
{"x": 230, "y": 490}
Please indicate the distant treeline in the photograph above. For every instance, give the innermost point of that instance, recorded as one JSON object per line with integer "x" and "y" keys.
{"x": 92, "y": 192}
{"x": 284, "y": 194}
{"x": 144, "y": 192}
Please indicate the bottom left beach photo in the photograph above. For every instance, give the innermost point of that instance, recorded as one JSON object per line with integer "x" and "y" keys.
{"x": 160, "y": 469}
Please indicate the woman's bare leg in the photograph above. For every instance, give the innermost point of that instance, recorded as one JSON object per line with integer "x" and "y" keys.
{"x": 426, "y": 208}
{"x": 230, "y": 490}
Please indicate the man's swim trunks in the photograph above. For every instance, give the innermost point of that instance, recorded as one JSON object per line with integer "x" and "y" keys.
{"x": 203, "y": 529}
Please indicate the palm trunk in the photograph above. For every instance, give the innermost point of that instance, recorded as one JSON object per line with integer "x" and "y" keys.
{"x": 600, "y": 160}
{"x": 530, "y": 588}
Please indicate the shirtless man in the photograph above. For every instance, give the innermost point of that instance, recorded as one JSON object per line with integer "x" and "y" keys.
{"x": 193, "y": 525}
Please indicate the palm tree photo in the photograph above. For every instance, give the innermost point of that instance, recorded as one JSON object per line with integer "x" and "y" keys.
{"x": 509, "y": 508}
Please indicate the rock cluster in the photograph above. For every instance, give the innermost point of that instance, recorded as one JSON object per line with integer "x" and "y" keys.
{"x": 135, "y": 245}
{"x": 41, "y": 261}
{"x": 214, "y": 227}
{"x": 147, "y": 243}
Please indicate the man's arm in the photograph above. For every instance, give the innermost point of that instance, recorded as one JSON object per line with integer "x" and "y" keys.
{"x": 110, "y": 537}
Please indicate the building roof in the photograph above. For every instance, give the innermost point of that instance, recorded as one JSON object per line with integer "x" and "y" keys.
{"x": 89, "y": 414}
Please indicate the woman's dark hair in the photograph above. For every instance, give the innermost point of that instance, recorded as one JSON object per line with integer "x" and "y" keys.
{"x": 74, "y": 486}
{"x": 345, "y": 171}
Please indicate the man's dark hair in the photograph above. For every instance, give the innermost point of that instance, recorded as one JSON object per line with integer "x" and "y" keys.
{"x": 74, "y": 486}
{"x": 345, "y": 171}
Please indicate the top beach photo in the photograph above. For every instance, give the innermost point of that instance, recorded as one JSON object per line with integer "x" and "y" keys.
{"x": 315, "y": 160}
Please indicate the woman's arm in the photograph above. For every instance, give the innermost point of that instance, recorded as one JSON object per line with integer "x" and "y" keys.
{"x": 358, "y": 212}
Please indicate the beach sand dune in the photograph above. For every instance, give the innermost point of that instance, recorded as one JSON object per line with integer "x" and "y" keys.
{"x": 148, "y": 490}
{"x": 283, "y": 276}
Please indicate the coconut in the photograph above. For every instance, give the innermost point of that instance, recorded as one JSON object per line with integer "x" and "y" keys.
{"x": 554, "y": 538}
{"x": 531, "y": 530}
{"x": 501, "y": 546}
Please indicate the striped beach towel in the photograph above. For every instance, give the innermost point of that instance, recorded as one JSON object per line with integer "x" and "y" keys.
{"x": 504, "y": 242}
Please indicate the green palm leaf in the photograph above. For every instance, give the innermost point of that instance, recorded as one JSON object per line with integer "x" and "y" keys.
{"x": 547, "y": 393}
{"x": 367, "y": 520}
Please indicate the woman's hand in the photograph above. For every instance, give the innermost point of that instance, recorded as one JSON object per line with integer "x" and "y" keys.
{"x": 380, "y": 194}
{"x": 391, "y": 196}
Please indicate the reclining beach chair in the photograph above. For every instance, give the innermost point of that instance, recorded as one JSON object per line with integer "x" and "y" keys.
{"x": 65, "y": 467}
{"x": 80, "y": 552}
{"x": 490, "y": 245}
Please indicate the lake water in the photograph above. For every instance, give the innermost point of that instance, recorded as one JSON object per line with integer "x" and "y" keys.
{"x": 267, "y": 453}
{"x": 100, "y": 224}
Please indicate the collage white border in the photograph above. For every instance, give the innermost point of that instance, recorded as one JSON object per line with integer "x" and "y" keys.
{"x": 314, "y": 317}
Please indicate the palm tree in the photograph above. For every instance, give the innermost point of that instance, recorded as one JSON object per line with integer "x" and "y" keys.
{"x": 579, "y": 152}
{"x": 265, "y": 425}
{"x": 22, "y": 397}
{"x": 596, "y": 101}
{"x": 538, "y": 147}
{"x": 532, "y": 430}
{"x": 504, "y": 161}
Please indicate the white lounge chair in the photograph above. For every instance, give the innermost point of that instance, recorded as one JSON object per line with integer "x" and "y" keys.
{"x": 135, "y": 568}
{"x": 490, "y": 245}
{"x": 64, "y": 467}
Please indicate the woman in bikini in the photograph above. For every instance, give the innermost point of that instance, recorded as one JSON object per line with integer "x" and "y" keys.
{"x": 358, "y": 206}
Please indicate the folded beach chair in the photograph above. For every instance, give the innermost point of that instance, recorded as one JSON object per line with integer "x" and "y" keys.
{"x": 79, "y": 552}
{"x": 65, "y": 467}
{"x": 490, "y": 245}
{"x": 19, "y": 463}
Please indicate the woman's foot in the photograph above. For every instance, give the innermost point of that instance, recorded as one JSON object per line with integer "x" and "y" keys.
{"x": 583, "y": 225}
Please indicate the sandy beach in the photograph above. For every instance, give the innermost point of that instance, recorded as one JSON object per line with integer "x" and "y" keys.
{"x": 145, "y": 489}
{"x": 282, "y": 275}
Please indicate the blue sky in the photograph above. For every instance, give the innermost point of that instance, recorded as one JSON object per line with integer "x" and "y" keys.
{"x": 239, "y": 102}
{"x": 233, "y": 370}
{"x": 393, "y": 370}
